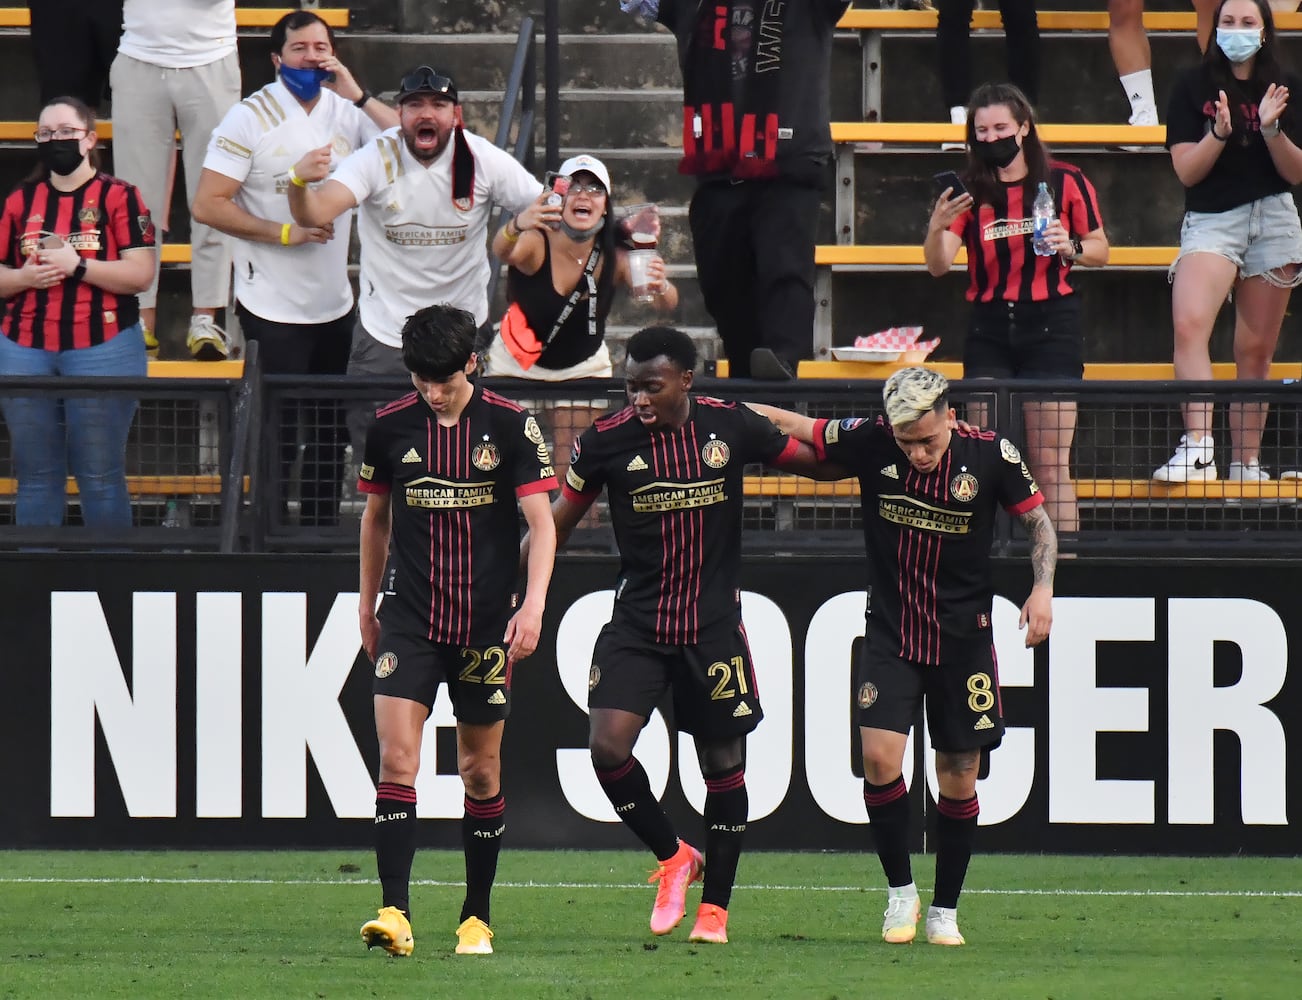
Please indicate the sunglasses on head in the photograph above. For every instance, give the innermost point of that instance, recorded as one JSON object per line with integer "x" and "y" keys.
{"x": 425, "y": 79}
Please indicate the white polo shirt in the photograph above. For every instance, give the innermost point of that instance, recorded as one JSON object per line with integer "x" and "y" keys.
{"x": 178, "y": 34}
{"x": 419, "y": 249}
{"x": 256, "y": 144}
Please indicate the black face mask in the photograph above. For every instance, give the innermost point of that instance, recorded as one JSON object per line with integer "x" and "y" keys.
{"x": 999, "y": 153}
{"x": 61, "y": 156}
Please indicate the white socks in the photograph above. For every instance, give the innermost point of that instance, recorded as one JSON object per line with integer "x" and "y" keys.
{"x": 1139, "y": 90}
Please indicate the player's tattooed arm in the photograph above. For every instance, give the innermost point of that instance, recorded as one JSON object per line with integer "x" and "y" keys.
{"x": 1044, "y": 545}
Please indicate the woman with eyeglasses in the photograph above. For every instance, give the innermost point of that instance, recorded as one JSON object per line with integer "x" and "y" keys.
{"x": 564, "y": 260}
{"x": 76, "y": 247}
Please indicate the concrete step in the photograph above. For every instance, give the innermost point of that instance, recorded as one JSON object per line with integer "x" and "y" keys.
{"x": 1141, "y": 200}
{"x": 1127, "y": 314}
{"x": 593, "y": 118}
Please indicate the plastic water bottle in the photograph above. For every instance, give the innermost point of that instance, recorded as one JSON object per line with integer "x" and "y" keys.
{"x": 1042, "y": 213}
{"x": 177, "y": 515}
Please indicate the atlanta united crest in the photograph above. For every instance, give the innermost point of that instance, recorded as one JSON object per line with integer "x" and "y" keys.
{"x": 963, "y": 486}
{"x": 867, "y": 694}
{"x": 386, "y": 664}
{"x": 715, "y": 454}
{"x": 485, "y": 457}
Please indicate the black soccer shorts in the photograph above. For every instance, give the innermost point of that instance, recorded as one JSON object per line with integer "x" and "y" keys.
{"x": 964, "y": 708}
{"x": 713, "y": 681}
{"x": 478, "y": 678}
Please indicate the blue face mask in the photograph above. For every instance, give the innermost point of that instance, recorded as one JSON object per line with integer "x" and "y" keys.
{"x": 304, "y": 84}
{"x": 1238, "y": 44}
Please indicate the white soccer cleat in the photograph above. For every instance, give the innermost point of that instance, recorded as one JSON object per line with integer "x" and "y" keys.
{"x": 942, "y": 926}
{"x": 1193, "y": 462}
{"x": 901, "y": 923}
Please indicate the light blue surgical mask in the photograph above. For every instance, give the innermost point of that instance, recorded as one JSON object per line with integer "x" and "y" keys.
{"x": 304, "y": 84}
{"x": 1238, "y": 44}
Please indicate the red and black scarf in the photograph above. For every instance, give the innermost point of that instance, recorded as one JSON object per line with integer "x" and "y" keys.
{"x": 732, "y": 82}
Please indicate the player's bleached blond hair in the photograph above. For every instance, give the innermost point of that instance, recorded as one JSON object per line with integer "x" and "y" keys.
{"x": 911, "y": 393}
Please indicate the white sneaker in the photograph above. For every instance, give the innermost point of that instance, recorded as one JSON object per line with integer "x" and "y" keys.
{"x": 902, "y": 911}
{"x": 1193, "y": 462}
{"x": 957, "y": 116}
{"x": 1251, "y": 472}
{"x": 206, "y": 340}
{"x": 1145, "y": 114}
{"x": 942, "y": 926}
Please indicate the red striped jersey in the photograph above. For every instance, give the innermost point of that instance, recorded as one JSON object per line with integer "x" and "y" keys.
{"x": 1000, "y": 260}
{"x": 675, "y": 504}
{"x": 454, "y": 547}
{"x": 101, "y": 219}
{"x": 928, "y": 535}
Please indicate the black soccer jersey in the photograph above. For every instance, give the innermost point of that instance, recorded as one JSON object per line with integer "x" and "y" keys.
{"x": 928, "y": 536}
{"x": 675, "y": 502}
{"x": 454, "y": 550}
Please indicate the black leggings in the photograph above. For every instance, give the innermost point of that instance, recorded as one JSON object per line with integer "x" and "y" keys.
{"x": 1021, "y": 38}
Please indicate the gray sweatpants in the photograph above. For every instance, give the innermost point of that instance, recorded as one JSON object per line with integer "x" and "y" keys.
{"x": 149, "y": 104}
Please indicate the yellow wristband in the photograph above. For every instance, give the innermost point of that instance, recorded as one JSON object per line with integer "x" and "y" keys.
{"x": 509, "y": 236}
{"x": 295, "y": 179}
{"x": 284, "y": 234}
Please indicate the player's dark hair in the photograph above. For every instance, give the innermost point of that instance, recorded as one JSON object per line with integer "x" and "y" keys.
{"x": 437, "y": 341}
{"x": 656, "y": 341}
{"x": 295, "y": 21}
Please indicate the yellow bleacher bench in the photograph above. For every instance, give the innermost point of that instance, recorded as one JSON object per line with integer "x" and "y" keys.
{"x": 1097, "y": 371}
{"x": 796, "y": 487}
{"x": 934, "y": 133}
{"x": 196, "y": 369}
{"x": 909, "y": 255}
{"x": 857, "y": 19}
{"x": 245, "y": 17}
{"x": 146, "y": 486}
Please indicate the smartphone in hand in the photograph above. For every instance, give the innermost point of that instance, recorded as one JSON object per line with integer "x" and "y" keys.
{"x": 949, "y": 179}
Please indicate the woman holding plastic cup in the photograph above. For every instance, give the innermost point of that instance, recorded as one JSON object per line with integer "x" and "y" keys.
{"x": 565, "y": 257}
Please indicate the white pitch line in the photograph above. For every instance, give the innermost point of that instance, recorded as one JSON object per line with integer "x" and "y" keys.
{"x": 439, "y": 883}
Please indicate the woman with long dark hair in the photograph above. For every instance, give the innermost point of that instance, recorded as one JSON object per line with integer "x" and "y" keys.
{"x": 76, "y": 246}
{"x": 1025, "y": 320}
{"x": 1234, "y": 145}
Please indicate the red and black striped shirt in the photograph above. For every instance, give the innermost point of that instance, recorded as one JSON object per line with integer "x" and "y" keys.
{"x": 928, "y": 535}
{"x": 454, "y": 551}
{"x": 1000, "y": 260}
{"x": 101, "y": 219}
{"x": 675, "y": 504}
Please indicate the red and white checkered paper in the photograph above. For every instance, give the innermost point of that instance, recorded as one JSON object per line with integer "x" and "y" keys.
{"x": 897, "y": 339}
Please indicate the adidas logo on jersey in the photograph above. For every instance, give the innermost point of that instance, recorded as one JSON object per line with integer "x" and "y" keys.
{"x": 637, "y": 465}
{"x": 741, "y": 711}
{"x": 497, "y": 698}
{"x": 410, "y": 457}
{"x": 983, "y": 723}
{"x": 890, "y": 472}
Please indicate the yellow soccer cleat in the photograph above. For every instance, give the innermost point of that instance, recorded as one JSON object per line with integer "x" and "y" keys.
{"x": 151, "y": 341}
{"x": 711, "y": 925}
{"x": 474, "y": 937}
{"x": 390, "y": 930}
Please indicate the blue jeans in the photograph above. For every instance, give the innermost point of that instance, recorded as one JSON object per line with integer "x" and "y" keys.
{"x": 84, "y": 435}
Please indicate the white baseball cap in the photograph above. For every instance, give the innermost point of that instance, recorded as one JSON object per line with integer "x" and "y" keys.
{"x": 584, "y": 162}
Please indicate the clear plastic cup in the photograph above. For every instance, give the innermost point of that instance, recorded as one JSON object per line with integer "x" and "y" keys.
{"x": 639, "y": 264}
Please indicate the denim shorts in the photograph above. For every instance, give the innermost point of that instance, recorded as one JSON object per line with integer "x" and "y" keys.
{"x": 1025, "y": 340}
{"x": 1257, "y": 237}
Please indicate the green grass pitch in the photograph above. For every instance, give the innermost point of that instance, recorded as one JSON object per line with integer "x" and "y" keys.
{"x": 249, "y": 925}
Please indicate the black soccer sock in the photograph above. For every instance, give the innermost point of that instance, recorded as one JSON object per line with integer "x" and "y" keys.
{"x": 482, "y": 827}
{"x": 726, "y": 808}
{"x": 956, "y": 826}
{"x": 888, "y": 816}
{"x": 395, "y": 841}
{"x": 629, "y": 792}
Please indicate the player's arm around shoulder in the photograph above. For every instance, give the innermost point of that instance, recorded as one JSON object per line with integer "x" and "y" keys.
{"x": 1037, "y": 612}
